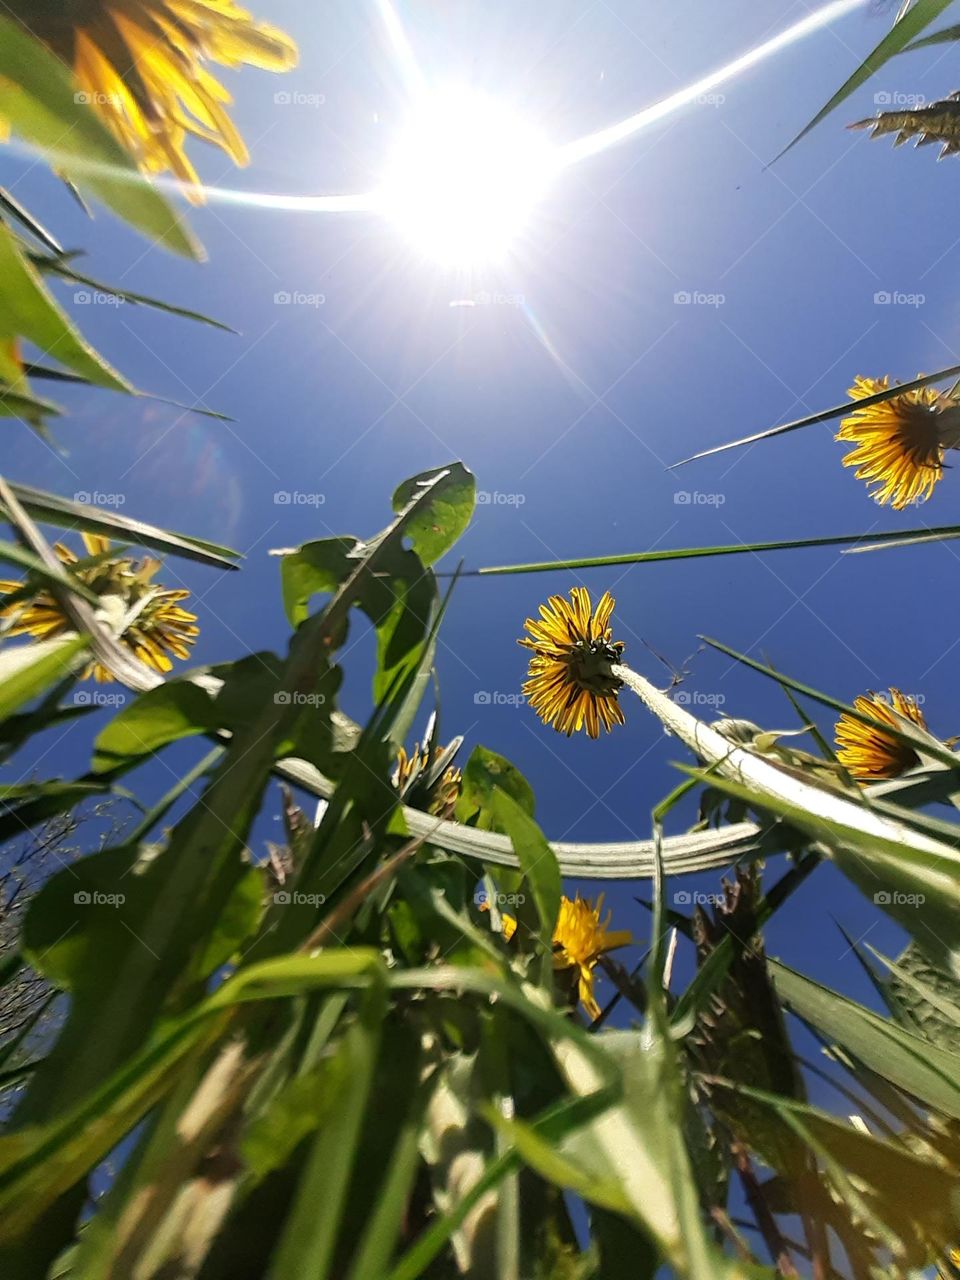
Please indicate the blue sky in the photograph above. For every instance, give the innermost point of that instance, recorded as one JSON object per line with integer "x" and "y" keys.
{"x": 575, "y": 401}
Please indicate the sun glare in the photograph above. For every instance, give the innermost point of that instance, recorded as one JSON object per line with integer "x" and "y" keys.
{"x": 465, "y": 179}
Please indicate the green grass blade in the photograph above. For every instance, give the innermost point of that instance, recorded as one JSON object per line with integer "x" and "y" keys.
{"x": 905, "y": 736}
{"x": 944, "y": 36}
{"x": 50, "y": 508}
{"x": 857, "y": 541}
{"x": 924, "y": 1070}
{"x": 895, "y": 41}
{"x": 825, "y": 415}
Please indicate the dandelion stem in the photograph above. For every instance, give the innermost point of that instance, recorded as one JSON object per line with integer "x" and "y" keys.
{"x": 807, "y": 799}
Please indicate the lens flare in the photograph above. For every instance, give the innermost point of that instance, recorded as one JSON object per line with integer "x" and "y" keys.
{"x": 465, "y": 178}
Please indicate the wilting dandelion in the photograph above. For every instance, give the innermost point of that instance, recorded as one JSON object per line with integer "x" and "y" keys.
{"x": 415, "y": 773}
{"x": 149, "y": 618}
{"x": 900, "y": 442}
{"x": 570, "y": 683}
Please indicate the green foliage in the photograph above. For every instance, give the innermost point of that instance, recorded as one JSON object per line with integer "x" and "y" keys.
{"x": 330, "y": 1062}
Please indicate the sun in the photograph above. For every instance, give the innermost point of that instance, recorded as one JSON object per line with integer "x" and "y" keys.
{"x": 465, "y": 178}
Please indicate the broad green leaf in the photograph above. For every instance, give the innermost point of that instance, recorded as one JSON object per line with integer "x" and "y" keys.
{"x": 639, "y": 1143}
{"x": 163, "y": 715}
{"x": 39, "y": 100}
{"x": 28, "y": 310}
{"x": 315, "y": 568}
{"x": 26, "y": 670}
{"x": 484, "y": 771}
{"x": 438, "y": 522}
{"x": 928, "y": 1072}
{"x": 200, "y": 702}
{"x": 597, "y": 1187}
{"x": 538, "y": 862}
{"x": 400, "y": 599}
{"x": 916, "y": 18}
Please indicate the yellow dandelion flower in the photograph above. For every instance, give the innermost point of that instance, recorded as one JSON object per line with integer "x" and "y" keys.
{"x": 441, "y": 792}
{"x": 900, "y": 442}
{"x": 570, "y": 684}
{"x": 579, "y": 940}
{"x": 154, "y": 624}
{"x": 139, "y": 63}
{"x": 869, "y": 754}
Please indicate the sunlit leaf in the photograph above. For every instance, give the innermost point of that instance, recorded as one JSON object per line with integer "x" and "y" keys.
{"x": 38, "y": 97}
{"x": 437, "y": 523}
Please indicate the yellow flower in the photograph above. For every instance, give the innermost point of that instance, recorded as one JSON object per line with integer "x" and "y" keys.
{"x": 153, "y": 622}
{"x": 570, "y": 684}
{"x": 441, "y": 793}
{"x": 139, "y": 62}
{"x": 579, "y": 940}
{"x": 900, "y": 442}
{"x": 868, "y": 753}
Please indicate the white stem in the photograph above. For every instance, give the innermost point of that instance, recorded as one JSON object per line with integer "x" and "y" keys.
{"x": 752, "y": 770}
